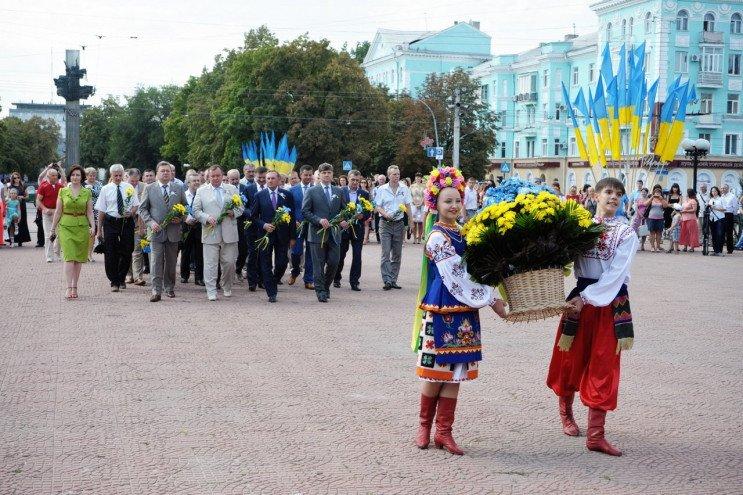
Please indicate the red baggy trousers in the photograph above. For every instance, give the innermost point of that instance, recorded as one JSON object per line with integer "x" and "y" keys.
{"x": 591, "y": 366}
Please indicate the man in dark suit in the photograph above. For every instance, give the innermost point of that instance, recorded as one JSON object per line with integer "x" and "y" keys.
{"x": 253, "y": 233}
{"x": 302, "y": 246}
{"x": 273, "y": 259}
{"x": 193, "y": 250}
{"x": 353, "y": 236}
{"x": 321, "y": 203}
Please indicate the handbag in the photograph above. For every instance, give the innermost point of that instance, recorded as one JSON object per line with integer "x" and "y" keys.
{"x": 643, "y": 231}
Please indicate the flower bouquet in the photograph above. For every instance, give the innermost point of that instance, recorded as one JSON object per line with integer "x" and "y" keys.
{"x": 177, "y": 211}
{"x": 281, "y": 217}
{"x": 129, "y": 193}
{"x": 347, "y": 214}
{"x": 509, "y": 189}
{"x": 525, "y": 244}
{"x": 233, "y": 202}
{"x": 144, "y": 245}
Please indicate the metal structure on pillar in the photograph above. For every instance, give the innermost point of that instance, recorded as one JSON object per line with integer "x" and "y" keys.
{"x": 68, "y": 87}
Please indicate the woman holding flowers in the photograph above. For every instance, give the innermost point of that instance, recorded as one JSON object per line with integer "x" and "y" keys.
{"x": 73, "y": 224}
{"x": 447, "y": 330}
{"x": 597, "y": 323}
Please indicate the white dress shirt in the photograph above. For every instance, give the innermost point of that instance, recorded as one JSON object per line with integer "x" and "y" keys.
{"x": 390, "y": 201}
{"x": 189, "y": 203}
{"x": 470, "y": 198}
{"x": 730, "y": 202}
{"x": 107, "y": 202}
{"x": 714, "y": 213}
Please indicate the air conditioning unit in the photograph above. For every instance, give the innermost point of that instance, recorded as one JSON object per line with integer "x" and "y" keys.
{"x": 695, "y": 58}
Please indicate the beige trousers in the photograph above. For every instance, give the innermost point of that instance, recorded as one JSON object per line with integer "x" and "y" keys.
{"x": 224, "y": 255}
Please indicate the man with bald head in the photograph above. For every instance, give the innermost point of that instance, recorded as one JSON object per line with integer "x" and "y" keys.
{"x": 46, "y": 201}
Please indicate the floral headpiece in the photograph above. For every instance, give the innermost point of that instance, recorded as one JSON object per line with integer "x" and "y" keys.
{"x": 442, "y": 178}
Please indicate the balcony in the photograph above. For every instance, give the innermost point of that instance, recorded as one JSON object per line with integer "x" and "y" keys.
{"x": 525, "y": 98}
{"x": 709, "y": 121}
{"x": 711, "y": 37}
{"x": 709, "y": 80}
{"x": 529, "y": 131}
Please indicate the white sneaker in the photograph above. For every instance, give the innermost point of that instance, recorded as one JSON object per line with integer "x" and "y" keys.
{"x": 228, "y": 293}
{"x": 211, "y": 297}
{"x": 49, "y": 260}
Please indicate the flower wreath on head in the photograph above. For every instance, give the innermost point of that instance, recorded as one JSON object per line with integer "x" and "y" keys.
{"x": 439, "y": 179}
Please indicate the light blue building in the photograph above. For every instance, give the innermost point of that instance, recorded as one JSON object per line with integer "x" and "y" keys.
{"x": 702, "y": 41}
{"x": 401, "y": 60}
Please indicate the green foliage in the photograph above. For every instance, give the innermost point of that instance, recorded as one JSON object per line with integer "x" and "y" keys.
{"x": 26, "y": 146}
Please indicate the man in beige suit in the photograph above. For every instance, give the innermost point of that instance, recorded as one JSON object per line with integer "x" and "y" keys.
{"x": 219, "y": 239}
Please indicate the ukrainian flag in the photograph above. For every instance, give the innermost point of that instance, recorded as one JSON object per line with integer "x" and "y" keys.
{"x": 676, "y": 132}
{"x": 602, "y": 117}
{"x": 580, "y": 104}
{"x": 639, "y": 109}
{"x": 606, "y": 70}
{"x": 624, "y": 105}
{"x": 616, "y": 146}
{"x": 576, "y": 129}
{"x": 651, "y": 115}
{"x": 666, "y": 121}
{"x": 597, "y": 131}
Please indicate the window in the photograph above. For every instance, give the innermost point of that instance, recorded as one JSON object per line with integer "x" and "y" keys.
{"x": 525, "y": 84}
{"x": 631, "y": 25}
{"x": 504, "y": 91}
{"x": 544, "y": 111}
{"x": 484, "y": 93}
{"x": 734, "y": 64}
{"x": 682, "y": 20}
{"x": 557, "y": 147}
{"x": 573, "y": 148}
{"x": 731, "y": 144}
{"x": 516, "y": 146}
{"x": 682, "y": 61}
{"x": 732, "y": 108}
{"x": 648, "y": 23}
{"x": 711, "y": 59}
{"x": 705, "y": 103}
{"x": 705, "y": 135}
{"x": 608, "y": 32}
{"x": 503, "y": 149}
{"x": 557, "y": 113}
{"x": 709, "y": 22}
{"x": 530, "y": 148}
{"x": 575, "y": 76}
{"x": 624, "y": 28}
{"x": 591, "y": 71}
{"x": 531, "y": 115}
{"x": 545, "y": 78}
{"x": 544, "y": 147}
{"x": 735, "y": 23}
{"x": 518, "y": 118}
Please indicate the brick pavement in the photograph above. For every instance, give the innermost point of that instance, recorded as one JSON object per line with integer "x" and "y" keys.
{"x": 111, "y": 394}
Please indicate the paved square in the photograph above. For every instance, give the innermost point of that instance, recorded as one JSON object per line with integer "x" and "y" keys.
{"x": 111, "y": 394}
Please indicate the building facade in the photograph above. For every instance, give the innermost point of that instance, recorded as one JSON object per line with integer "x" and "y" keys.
{"x": 700, "y": 41}
{"x": 56, "y": 112}
{"x": 401, "y": 60}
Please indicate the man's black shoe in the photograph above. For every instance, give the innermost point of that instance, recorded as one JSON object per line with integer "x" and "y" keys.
{"x": 395, "y": 286}
{"x": 251, "y": 288}
{"x": 356, "y": 288}
{"x": 337, "y": 284}
{"x": 387, "y": 287}
{"x": 272, "y": 299}
{"x": 184, "y": 280}
{"x": 200, "y": 282}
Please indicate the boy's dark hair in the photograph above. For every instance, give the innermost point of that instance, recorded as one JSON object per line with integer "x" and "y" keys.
{"x": 610, "y": 182}
{"x": 305, "y": 168}
{"x": 324, "y": 167}
{"x": 261, "y": 170}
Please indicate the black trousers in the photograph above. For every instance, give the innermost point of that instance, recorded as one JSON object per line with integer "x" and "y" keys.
{"x": 242, "y": 247}
{"x": 729, "y": 240}
{"x": 273, "y": 262}
{"x": 253, "y": 268}
{"x": 193, "y": 252}
{"x": 376, "y": 225}
{"x": 718, "y": 234}
{"x": 118, "y": 241}
{"x": 324, "y": 264}
{"x": 356, "y": 244}
{"x": 39, "y": 229}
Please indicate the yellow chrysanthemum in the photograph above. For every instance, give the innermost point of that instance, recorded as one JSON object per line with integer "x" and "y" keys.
{"x": 448, "y": 181}
{"x": 129, "y": 192}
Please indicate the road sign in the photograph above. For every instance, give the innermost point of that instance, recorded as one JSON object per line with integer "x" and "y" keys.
{"x": 430, "y": 152}
{"x": 347, "y": 165}
{"x": 439, "y": 152}
{"x": 436, "y": 152}
{"x": 505, "y": 168}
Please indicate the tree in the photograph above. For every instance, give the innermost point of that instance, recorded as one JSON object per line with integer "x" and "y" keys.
{"x": 26, "y": 146}
{"x": 96, "y": 127}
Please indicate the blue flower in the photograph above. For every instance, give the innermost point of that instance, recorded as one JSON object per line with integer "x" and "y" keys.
{"x": 509, "y": 189}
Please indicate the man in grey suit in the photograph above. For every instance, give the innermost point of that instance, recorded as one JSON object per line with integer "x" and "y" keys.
{"x": 158, "y": 199}
{"x": 219, "y": 239}
{"x": 321, "y": 203}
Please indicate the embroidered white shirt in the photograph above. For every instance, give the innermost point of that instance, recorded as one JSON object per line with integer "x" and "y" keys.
{"x": 609, "y": 263}
{"x": 454, "y": 273}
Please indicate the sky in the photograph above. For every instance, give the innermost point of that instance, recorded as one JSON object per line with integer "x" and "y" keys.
{"x": 129, "y": 43}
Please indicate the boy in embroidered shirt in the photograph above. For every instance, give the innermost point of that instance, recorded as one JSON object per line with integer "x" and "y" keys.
{"x": 597, "y": 324}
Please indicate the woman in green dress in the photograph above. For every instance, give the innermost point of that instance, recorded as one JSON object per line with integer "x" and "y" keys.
{"x": 73, "y": 222}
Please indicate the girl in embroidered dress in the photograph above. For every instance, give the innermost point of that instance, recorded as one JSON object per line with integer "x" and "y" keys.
{"x": 597, "y": 324}
{"x": 447, "y": 330}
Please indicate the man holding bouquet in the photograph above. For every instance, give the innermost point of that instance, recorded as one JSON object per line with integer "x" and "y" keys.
{"x": 269, "y": 214}
{"x": 597, "y": 324}
{"x": 354, "y": 235}
{"x": 217, "y": 206}
{"x": 162, "y": 217}
{"x": 320, "y": 206}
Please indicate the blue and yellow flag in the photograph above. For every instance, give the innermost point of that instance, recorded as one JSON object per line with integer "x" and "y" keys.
{"x": 651, "y": 115}
{"x": 613, "y": 107}
{"x": 624, "y": 105}
{"x": 580, "y": 143}
{"x": 676, "y": 132}
{"x": 606, "y": 69}
{"x": 666, "y": 120}
{"x": 580, "y": 104}
{"x": 601, "y": 115}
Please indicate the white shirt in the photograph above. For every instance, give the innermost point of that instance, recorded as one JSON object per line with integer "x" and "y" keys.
{"x": 353, "y": 195}
{"x": 609, "y": 263}
{"x": 470, "y": 199}
{"x": 189, "y": 203}
{"x": 730, "y": 202}
{"x": 390, "y": 202}
{"x": 245, "y": 182}
{"x": 715, "y": 215}
{"x": 454, "y": 274}
{"x": 107, "y": 202}
{"x": 703, "y": 200}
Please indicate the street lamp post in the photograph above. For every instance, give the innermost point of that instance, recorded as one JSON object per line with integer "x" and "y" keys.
{"x": 435, "y": 126}
{"x": 695, "y": 149}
